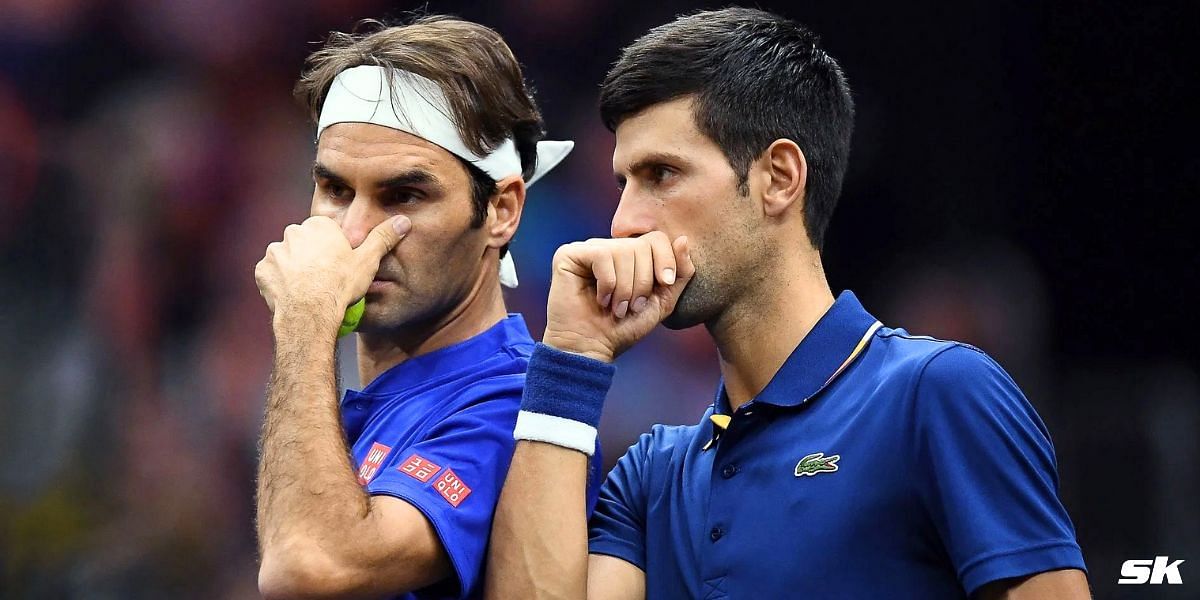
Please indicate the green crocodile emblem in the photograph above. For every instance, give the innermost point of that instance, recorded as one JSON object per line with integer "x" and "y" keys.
{"x": 817, "y": 463}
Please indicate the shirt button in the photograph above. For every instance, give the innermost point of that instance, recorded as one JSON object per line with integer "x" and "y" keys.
{"x": 729, "y": 471}
{"x": 716, "y": 533}
{"x": 358, "y": 406}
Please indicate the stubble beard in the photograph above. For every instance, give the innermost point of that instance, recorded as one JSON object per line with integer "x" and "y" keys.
{"x": 383, "y": 313}
{"x": 698, "y": 303}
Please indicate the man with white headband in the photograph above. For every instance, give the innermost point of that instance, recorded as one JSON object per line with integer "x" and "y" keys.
{"x": 426, "y": 140}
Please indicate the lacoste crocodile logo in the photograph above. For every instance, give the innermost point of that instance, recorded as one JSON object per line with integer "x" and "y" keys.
{"x": 817, "y": 463}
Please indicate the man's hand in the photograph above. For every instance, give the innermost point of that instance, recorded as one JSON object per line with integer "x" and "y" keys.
{"x": 315, "y": 272}
{"x": 320, "y": 534}
{"x": 607, "y": 294}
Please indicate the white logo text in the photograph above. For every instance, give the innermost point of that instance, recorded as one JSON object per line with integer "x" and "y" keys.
{"x": 1137, "y": 572}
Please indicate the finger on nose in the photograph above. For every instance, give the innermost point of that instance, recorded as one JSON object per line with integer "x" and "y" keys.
{"x": 401, "y": 224}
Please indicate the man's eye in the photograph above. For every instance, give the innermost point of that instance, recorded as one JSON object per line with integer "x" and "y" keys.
{"x": 401, "y": 198}
{"x": 662, "y": 173}
{"x": 338, "y": 191}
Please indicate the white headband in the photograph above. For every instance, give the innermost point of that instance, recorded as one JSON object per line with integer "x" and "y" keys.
{"x": 417, "y": 105}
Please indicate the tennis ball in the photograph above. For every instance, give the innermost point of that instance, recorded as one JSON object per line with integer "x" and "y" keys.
{"x": 353, "y": 316}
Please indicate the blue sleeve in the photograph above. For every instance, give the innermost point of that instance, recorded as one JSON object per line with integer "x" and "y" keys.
{"x": 454, "y": 475}
{"x": 989, "y": 477}
{"x": 618, "y": 524}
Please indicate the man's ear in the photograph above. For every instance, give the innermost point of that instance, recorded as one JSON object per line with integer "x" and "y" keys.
{"x": 784, "y": 172}
{"x": 504, "y": 211}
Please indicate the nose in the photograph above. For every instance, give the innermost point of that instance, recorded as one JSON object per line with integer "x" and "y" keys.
{"x": 358, "y": 219}
{"x": 633, "y": 217}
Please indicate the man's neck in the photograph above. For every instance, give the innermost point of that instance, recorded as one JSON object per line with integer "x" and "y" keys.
{"x": 759, "y": 331}
{"x": 479, "y": 311}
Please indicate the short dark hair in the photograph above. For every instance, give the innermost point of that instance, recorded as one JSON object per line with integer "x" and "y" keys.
{"x": 472, "y": 65}
{"x": 755, "y": 77}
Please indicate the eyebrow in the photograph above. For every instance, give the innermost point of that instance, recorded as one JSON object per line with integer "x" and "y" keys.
{"x": 413, "y": 177}
{"x": 320, "y": 171}
{"x": 654, "y": 158}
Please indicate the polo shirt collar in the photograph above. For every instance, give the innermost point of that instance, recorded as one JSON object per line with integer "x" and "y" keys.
{"x": 834, "y": 342}
{"x": 466, "y": 354}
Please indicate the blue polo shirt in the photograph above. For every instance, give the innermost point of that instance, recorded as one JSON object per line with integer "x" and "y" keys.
{"x": 875, "y": 464}
{"x": 437, "y": 432}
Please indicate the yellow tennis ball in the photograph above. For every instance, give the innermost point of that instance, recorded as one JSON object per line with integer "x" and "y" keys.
{"x": 353, "y": 316}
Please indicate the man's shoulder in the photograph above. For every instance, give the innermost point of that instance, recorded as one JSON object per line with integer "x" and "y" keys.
{"x": 950, "y": 375}
{"x": 665, "y": 443}
{"x": 498, "y": 377}
{"x": 670, "y": 436}
{"x": 906, "y": 347}
{"x": 497, "y": 391}
{"x": 492, "y": 386}
{"x": 930, "y": 360}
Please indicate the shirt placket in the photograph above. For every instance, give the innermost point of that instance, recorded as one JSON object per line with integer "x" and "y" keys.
{"x": 354, "y": 415}
{"x": 723, "y": 540}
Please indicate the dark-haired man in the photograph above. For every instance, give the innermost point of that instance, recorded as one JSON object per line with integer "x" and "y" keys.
{"x": 426, "y": 140}
{"x": 841, "y": 458}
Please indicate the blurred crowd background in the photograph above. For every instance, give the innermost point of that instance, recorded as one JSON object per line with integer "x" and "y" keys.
{"x": 1023, "y": 177}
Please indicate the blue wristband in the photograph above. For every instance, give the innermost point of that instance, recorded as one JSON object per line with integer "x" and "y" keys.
{"x": 563, "y": 397}
{"x": 566, "y": 385}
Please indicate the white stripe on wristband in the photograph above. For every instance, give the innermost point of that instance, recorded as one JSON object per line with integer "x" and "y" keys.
{"x": 550, "y": 429}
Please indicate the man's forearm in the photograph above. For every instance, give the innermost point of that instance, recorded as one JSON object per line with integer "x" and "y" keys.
{"x": 320, "y": 534}
{"x": 307, "y": 492}
{"x": 539, "y": 546}
{"x": 539, "y": 536}
{"x": 1062, "y": 583}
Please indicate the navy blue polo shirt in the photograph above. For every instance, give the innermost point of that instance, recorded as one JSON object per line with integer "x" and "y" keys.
{"x": 437, "y": 432}
{"x": 875, "y": 464}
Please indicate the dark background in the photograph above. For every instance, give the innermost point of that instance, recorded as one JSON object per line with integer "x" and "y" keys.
{"x": 1023, "y": 177}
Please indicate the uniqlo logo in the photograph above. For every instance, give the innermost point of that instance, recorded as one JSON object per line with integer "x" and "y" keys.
{"x": 419, "y": 468}
{"x": 370, "y": 464}
{"x": 452, "y": 488}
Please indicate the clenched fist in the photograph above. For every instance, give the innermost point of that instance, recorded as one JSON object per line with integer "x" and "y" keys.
{"x": 607, "y": 294}
{"x": 315, "y": 274}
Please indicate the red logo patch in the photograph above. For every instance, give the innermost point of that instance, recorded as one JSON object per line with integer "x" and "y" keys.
{"x": 370, "y": 464}
{"x": 452, "y": 488}
{"x": 419, "y": 468}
